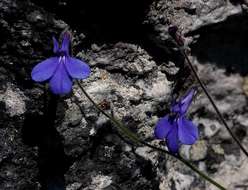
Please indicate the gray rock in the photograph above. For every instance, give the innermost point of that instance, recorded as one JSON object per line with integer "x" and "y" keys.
{"x": 198, "y": 151}
{"x": 14, "y": 101}
{"x": 133, "y": 84}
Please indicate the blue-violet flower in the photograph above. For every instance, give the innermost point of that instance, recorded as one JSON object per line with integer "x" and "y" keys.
{"x": 175, "y": 128}
{"x": 60, "y": 69}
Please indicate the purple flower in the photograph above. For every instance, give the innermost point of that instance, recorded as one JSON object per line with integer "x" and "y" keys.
{"x": 175, "y": 128}
{"x": 60, "y": 69}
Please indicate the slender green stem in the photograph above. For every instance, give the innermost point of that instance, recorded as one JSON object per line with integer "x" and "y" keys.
{"x": 137, "y": 140}
{"x": 212, "y": 101}
{"x": 125, "y": 130}
{"x": 187, "y": 164}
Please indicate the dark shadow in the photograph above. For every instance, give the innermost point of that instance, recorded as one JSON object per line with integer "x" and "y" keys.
{"x": 112, "y": 21}
{"x": 101, "y": 21}
{"x": 238, "y": 2}
{"x": 40, "y": 131}
{"x": 224, "y": 44}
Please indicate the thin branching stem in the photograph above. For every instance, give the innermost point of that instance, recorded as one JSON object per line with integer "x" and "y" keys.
{"x": 133, "y": 137}
{"x": 187, "y": 164}
{"x": 204, "y": 88}
{"x": 125, "y": 130}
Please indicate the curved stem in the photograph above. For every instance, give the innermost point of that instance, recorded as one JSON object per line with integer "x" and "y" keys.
{"x": 136, "y": 139}
{"x": 212, "y": 102}
{"x": 187, "y": 164}
{"x": 126, "y": 131}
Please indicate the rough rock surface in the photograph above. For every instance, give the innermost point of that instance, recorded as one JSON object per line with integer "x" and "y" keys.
{"x": 134, "y": 73}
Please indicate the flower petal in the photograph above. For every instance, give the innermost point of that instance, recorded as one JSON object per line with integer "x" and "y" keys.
{"x": 45, "y": 69}
{"x": 186, "y": 101}
{"x": 77, "y": 68}
{"x": 60, "y": 83}
{"x": 66, "y": 43}
{"x": 55, "y": 45}
{"x": 163, "y": 127}
{"x": 183, "y": 104}
{"x": 175, "y": 107}
{"x": 172, "y": 141}
{"x": 187, "y": 131}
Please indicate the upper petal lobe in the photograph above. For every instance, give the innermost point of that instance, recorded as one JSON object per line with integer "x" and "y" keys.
{"x": 175, "y": 107}
{"x": 55, "y": 45}
{"x": 77, "y": 68}
{"x": 61, "y": 83}
{"x": 187, "y": 131}
{"x": 66, "y": 43}
{"x": 44, "y": 70}
{"x": 163, "y": 127}
{"x": 183, "y": 104}
{"x": 186, "y": 101}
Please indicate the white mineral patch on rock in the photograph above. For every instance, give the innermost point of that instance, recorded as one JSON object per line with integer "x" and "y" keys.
{"x": 14, "y": 101}
{"x": 176, "y": 180}
{"x": 100, "y": 182}
{"x": 160, "y": 87}
{"x": 232, "y": 173}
